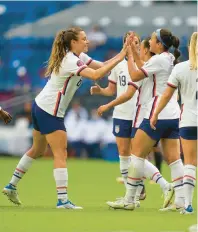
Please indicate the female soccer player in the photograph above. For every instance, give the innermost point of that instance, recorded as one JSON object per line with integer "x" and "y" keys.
{"x": 157, "y": 71}
{"x": 66, "y": 66}
{"x": 5, "y": 116}
{"x": 127, "y": 95}
{"x": 184, "y": 76}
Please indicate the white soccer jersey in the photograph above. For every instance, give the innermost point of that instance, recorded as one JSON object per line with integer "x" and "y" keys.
{"x": 186, "y": 80}
{"x": 60, "y": 88}
{"x": 120, "y": 76}
{"x": 158, "y": 70}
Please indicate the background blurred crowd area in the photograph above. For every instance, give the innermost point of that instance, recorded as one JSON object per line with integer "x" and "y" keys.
{"x": 27, "y": 30}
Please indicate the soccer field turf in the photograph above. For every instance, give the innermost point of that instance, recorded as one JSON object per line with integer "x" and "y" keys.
{"x": 91, "y": 184}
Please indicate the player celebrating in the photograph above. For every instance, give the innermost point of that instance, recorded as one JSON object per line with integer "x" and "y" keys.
{"x": 124, "y": 134}
{"x": 66, "y": 65}
{"x": 184, "y": 76}
{"x": 157, "y": 71}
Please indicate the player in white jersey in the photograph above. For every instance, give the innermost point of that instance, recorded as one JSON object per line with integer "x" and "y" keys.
{"x": 157, "y": 70}
{"x": 66, "y": 66}
{"x": 120, "y": 83}
{"x": 5, "y": 116}
{"x": 150, "y": 171}
{"x": 184, "y": 76}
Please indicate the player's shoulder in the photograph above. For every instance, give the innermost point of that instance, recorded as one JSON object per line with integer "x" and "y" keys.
{"x": 182, "y": 67}
{"x": 185, "y": 64}
{"x": 71, "y": 58}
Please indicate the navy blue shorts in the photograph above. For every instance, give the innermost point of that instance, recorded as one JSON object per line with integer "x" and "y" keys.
{"x": 134, "y": 130}
{"x": 122, "y": 128}
{"x": 188, "y": 133}
{"x": 165, "y": 129}
{"x": 44, "y": 122}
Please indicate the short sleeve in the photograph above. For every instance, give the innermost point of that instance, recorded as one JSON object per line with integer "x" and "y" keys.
{"x": 136, "y": 85}
{"x": 152, "y": 66}
{"x": 173, "y": 80}
{"x": 85, "y": 58}
{"x": 112, "y": 76}
{"x": 74, "y": 65}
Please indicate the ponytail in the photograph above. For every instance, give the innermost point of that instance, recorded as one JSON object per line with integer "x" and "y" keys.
{"x": 61, "y": 44}
{"x": 193, "y": 51}
{"x": 167, "y": 39}
{"x": 57, "y": 54}
{"x": 176, "y": 53}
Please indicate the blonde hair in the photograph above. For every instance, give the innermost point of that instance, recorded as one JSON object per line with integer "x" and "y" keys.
{"x": 61, "y": 44}
{"x": 193, "y": 51}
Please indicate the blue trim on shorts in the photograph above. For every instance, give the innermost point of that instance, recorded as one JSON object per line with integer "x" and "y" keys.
{"x": 165, "y": 129}
{"x": 44, "y": 122}
{"x": 122, "y": 128}
{"x": 188, "y": 133}
{"x": 133, "y": 132}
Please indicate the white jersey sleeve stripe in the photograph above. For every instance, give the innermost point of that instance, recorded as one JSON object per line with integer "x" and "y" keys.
{"x": 153, "y": 107}
{"x": 154, "y": 85}
{"x": 80, "y": 69}
{"x": 66, "y": 84}
{"x": 113, "y": 82}
{"x": 138, "y": 98}
{"x": 171, "y": 85}
{"x": 136, "y": 115}
{"x": 134, "y": 85}
{"x": 57, "y": 103}
{"x": 89, "y": 62}
{"x": 144, "y": 71}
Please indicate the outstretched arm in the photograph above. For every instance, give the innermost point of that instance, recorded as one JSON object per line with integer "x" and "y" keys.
{"x": 101, "y": 72}
{"x": 120, "y": 100}
{"x": 108, "y": 91}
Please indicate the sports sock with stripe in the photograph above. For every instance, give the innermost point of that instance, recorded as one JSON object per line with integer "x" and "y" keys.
{"x": 135, "y": 175}
{"x": 22, "y": 167}
{"x": 124, "y": 165}
{"x": 61, "y": 179}
{"x": 189, "y": 183}
{"x": 151, "y": 172}
{"x": 177, "y": 174}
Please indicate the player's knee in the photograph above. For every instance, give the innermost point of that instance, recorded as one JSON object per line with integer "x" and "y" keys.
{"x": 35, "y": 151}
{"x": 60, "y": 154}
{"x": 124, "y": 152}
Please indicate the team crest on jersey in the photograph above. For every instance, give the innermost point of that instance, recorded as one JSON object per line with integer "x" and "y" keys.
{"x": 117, "y": 128}
{"x": 80, "y": 63}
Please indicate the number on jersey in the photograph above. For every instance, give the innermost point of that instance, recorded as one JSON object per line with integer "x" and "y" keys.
{"x": 122, "y": 80}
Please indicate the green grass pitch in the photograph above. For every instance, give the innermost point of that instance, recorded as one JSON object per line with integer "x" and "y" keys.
{"x": 91, "y": 184}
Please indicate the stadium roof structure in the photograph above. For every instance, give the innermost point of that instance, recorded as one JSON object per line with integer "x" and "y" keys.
{"x": 115, "y": 18}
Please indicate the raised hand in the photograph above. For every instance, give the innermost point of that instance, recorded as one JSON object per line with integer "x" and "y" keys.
{"x": 5, "y": 116}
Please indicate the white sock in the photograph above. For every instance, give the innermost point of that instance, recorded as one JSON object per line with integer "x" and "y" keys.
{"x": 177, "y": 174}
{"x": 139, "y": 190}
{"x": 189, "y": 183}
{"x": 61, "y": 179}
{"x": 136, "y": 172}
{"x": 124, "y": 165}
{"x": 151, "y": 172}
{"x": 22, "y": 167}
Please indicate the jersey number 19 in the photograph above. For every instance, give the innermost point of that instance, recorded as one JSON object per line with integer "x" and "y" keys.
{"x": 122, "y": 80}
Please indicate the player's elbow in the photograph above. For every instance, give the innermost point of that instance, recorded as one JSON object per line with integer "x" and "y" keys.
{"x": 96, "y": 75}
